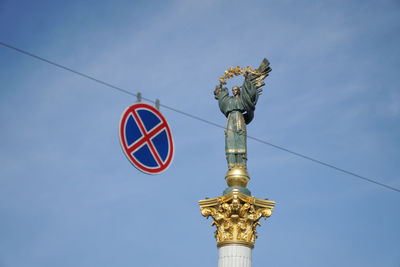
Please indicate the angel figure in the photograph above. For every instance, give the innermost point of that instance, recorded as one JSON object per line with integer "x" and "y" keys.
{"x": 239, "y": 110}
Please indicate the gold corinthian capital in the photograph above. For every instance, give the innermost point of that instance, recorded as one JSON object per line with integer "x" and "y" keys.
{"x": 236, "y": 216}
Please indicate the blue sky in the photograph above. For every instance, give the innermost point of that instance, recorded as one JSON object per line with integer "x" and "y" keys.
{"x": 68, "y": 195}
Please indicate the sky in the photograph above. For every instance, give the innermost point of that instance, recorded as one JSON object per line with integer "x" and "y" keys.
{"x": 69, "y": 196}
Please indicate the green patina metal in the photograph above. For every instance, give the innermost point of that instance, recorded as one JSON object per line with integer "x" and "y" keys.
{"x": 241, "y": 189}
{"x": 239, "y": 109}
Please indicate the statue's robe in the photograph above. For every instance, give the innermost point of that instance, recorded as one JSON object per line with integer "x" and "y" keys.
{"x": 239, "y": 111}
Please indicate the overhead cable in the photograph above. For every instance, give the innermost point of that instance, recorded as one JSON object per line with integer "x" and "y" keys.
{"x": 199, "y": 118}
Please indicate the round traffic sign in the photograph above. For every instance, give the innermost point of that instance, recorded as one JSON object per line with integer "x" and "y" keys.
{"x": 146, "y": 138}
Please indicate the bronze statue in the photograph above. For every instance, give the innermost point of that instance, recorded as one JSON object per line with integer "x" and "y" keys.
{"x": 239, "y": 109}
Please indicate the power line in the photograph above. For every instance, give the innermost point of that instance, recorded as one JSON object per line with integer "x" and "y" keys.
{"x": 326, "y": 164}
{"x": 199, "y": 118}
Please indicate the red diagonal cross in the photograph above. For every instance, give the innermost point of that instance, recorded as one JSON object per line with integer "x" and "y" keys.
{"x": 146, "y": 138}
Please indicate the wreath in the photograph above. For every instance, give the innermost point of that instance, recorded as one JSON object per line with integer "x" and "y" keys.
{"x": 232, "y": 72}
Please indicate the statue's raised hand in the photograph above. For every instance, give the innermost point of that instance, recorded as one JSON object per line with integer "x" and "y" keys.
{"x": 217, "y": 90}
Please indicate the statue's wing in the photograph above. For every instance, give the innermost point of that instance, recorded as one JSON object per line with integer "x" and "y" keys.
{"x": 262, "y": 73}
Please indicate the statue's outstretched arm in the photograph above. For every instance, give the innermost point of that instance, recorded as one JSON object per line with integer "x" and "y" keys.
{"x": 258, "y": 78}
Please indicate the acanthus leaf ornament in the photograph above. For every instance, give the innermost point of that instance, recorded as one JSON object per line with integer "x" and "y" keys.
{"x": 236, "y": 217}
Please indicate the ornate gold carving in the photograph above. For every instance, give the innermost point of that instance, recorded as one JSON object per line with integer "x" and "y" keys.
{"x": 236, "y": 216}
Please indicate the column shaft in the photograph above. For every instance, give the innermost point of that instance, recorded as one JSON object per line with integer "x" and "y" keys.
{"x": 234, "y": 256}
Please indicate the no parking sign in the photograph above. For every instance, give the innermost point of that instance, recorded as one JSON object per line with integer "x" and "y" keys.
{"x": 146, "y": 138}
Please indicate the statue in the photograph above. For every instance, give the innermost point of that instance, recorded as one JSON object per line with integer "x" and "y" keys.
{"x": 237, "y": 213}
{"x": 239, "y": 109}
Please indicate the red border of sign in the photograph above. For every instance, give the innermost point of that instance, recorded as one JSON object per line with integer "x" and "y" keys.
{"x": 132, "y": 110}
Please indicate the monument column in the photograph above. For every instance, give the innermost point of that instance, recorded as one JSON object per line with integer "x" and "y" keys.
{"x": 236, "y": 213}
